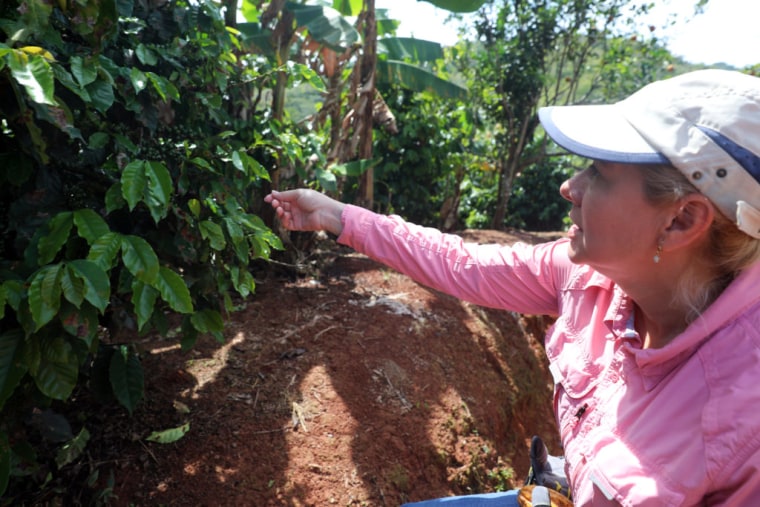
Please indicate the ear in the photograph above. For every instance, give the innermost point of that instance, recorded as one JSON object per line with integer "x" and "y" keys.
{"x": 690, "y": 222}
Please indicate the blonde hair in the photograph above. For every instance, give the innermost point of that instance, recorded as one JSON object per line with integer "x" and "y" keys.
{"x": 728, "y": 250}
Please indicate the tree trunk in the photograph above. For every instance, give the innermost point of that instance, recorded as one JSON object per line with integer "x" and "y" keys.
{"x": 366, "y": 96}
{"x": 502, "y": 198}
{"x": 282, "y": 38}
{"x": 230, "y": 13}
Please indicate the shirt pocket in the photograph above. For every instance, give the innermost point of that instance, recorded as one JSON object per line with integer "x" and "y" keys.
{"x": 618, "y": 474}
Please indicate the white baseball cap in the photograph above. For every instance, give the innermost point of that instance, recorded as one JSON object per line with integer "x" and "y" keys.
{"x": 705, "y": 123}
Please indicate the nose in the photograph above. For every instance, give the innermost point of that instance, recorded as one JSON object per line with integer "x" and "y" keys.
{"x": 572, "y": 188}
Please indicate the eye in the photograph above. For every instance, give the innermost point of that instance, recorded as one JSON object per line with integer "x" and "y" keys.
{"x": 592, "y": 171}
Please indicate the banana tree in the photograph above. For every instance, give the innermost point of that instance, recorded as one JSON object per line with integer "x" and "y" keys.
{"x": 358, "y": 55}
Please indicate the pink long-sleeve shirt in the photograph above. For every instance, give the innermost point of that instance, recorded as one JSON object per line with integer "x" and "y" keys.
{"x": 678, "y": 425}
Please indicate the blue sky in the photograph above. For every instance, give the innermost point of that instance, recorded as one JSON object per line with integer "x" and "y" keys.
{"x": 726, "y": 32}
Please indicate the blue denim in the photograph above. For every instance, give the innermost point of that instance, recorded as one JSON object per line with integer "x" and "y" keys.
{"x": 504, "y": 499}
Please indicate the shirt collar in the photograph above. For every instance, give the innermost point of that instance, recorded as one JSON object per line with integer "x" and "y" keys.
{"x": 656, "y": 364}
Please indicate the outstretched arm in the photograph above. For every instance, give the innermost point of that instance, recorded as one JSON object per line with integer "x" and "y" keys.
{"x": 307, "y": 210}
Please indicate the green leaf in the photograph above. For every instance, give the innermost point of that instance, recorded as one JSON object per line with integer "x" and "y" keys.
{"x": 90, "y": 225}
{"x": 144, "y": 300}
{"x": 139, "y": 258}
{"x": 458, "y": 5}
{"x": 139, "y": 80}
{"x": 189, "y": 335}
{"x": 58, "y": 369}
{"x": 98, "y": 140}
{"x": 202, "y": 162}
{"x": 159, "y": 189}
{"x": 12, "y": 366}
{"x": 80, "y": 322}
{"x": 213, "y": 233}
{"x": 208, "y": 321}
{"x": 348, "y": 7}
{"x": 326, "y": 26}
{"x": 133, "y": 183}
{"x": 409, "y": 48}
{"x": 101, "y": 95}
{"x": 243, "y": 281}
{"x": 34, "y": 74}
{"x": 59, "y": 229}
{"x": 104, "y": 249}
{"x": 114, "y": 198}
{"x": 5, "y": 462}
{"x": 74, "y": 448}
{"x": 146, "y": 55}
{"x": 73, "y": 287}
{"x": 173, "y": 290}
{"x": 84, "y": 73}
{"x": 194, "y": 205}
{"x": 418, "y": 79}
{"x": 14, "y": 292}
{"x": 45, "y": 294}
{"x": 163, "y": 86}
{"x": 169, "y": 436}
{"x": 127, "y": 379}
{"x": 96, "y": 282}
{"x": 238, "y": 238}
{"x": 326, "y": 179}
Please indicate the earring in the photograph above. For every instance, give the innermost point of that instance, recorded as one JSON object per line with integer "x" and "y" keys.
{"x": 657, "y": 254}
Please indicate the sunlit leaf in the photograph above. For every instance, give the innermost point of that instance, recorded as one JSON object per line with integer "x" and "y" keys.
{"x": 34, "y": 74}
{"x": 169, "y": 436}
{"x": 139, "y": 80}
{"x": 348, "y": 7}
{"x": 194, "y": 205}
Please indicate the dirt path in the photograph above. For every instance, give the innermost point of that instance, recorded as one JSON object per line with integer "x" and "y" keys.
{"x": 354, "y": 387}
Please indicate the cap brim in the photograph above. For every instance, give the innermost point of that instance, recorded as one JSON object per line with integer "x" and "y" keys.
{"x": 598, "y": 132}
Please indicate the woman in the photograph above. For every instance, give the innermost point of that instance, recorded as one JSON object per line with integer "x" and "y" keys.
{"x": 655, "y": 353}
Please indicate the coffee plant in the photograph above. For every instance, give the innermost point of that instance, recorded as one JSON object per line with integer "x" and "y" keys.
{"x": 135, "y": 150}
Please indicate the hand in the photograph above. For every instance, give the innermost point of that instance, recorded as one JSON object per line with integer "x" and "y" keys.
{"x": 307, "y": 210}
